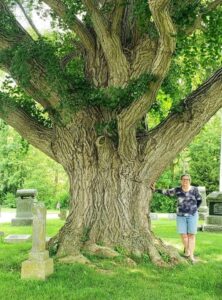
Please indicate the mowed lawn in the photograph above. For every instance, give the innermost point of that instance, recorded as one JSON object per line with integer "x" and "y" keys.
{"x": 113, "y": 279}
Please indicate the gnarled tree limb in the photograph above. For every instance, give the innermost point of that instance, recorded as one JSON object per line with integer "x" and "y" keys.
{"x": 111, "y": 44}
{"x": 74, "y": 24}
{"x": 14, "y": 35}
{"x": 30, "y": 129}
{"x": 171, "y": 136}
{"x": 129, "y": 118}
{"x": 29, "y": 19}
{"x": 117, "y": 17}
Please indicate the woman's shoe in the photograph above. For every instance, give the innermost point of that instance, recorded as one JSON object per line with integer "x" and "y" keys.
{"x": 192, "y": 260}
{"x": 185, "y": 254}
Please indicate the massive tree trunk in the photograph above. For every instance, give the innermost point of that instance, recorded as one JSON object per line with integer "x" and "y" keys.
{"x": 109, "y": 207}
{"x": 109, "y": 204}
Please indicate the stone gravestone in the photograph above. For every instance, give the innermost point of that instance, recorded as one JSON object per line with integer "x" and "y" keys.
{"x": 17, "y": 238}
{"x": 172, "y": 216}
{"x": 153, "y": 216}
{"x": 62, "y": 214}
{"x": 203, "y": 209}
{"x": 24, "y": 203}
{"x": 214, "y": 220}
{"x": 39, "y": 265}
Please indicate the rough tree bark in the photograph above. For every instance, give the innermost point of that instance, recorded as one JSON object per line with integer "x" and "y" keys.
{"x": 109, "y": 179}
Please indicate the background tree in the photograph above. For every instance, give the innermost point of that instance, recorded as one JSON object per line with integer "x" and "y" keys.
{"x": 21, "y": 166}
{"x": 83, "y": 97}
{"x": 12, "y": 169}
{"x": 204, "y": 152}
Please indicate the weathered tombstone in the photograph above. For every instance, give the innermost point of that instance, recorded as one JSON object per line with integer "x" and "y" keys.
{"x": 62, "y": 214}
{"x": 203, "y": 209}
{"x": 214, "y": 220}
{"x": 17, "y": 238}
{"x": 172, "y": 216}
{"x": 153, "y": 216}
{"x": 39, "y": 265}
{"x": 24, "y": 203}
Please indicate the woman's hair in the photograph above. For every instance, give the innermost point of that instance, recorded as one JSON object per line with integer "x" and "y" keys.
{"x": 188, "y": 175}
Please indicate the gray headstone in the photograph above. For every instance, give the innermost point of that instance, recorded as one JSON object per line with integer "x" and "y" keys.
{"x": 153, "y": 216}
{"x": 203, "y": 209}
{"x": 62, "y": 214}
{"x": 17, "y": 238}
{"x": 24, "y": 203}
{"x": 214, "y": 220}
{"x": 172, "y": 216}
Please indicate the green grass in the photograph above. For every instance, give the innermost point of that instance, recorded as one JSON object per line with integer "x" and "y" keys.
{"x": 112, "y": 280}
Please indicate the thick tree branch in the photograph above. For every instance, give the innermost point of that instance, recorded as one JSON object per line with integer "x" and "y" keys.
{"x": 11, "y": 32}
{"x": 75, "y": 24}
{"x": 167, "y": 39}
{"x": 171, "y": 136}
{"x": 111, "y": 44}
{"x": 142, "y": 57}
{"x": 13, "y": 35}
{"x": 31, "y": 23}
{"x": 117, "y": 17}
{"x": 34, "y": 132}
{"x": 129, "y": 118}
{"x": 198, "y": 21}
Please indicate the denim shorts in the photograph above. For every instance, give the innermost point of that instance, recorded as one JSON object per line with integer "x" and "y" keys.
{"x": 187, "y": 224}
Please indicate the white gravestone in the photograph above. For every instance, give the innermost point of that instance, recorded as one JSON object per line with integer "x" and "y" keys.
{"x": 39, "y": 265}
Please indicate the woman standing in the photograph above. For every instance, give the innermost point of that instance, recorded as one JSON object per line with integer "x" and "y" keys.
{"x": 188, "y": 201}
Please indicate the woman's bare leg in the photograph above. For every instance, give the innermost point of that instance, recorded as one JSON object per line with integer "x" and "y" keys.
{"x": 185, "y": 241}
{"x": 191, "y": 245}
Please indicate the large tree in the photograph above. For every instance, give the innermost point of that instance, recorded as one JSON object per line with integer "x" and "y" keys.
{"x": 82, "y": 98}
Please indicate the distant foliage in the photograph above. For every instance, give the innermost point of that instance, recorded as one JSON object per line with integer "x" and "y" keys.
{"x": 204, "y": 152}
{"x": 13, "y": 149}
{"x": 163, "y": 204}
{"x": 22, "y": 166}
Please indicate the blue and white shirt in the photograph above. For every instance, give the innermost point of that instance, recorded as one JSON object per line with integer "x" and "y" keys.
{"x": 187, "y": 202}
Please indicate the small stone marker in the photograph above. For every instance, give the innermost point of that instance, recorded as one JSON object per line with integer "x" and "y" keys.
{"x": 62, "y": 214}
{"x": 203, "y": 209}
{"x": 17, "y": 238}
{"x": 39, "y": 265}
{"x": 153, "y": 216}
{"x": 214, "y": 220}
{"x": 24, "y": 203}
{"x": 172, "y": 216}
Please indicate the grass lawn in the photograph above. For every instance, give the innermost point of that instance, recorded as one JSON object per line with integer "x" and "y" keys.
{"x": 112, "y": 280}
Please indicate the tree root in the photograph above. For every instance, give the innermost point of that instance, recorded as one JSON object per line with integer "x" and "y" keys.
{"x": 70, "y": 259}
{"x": 101, "y": 250}
{"x": 170, "y": 253}
{"x": 160, "y": 254}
